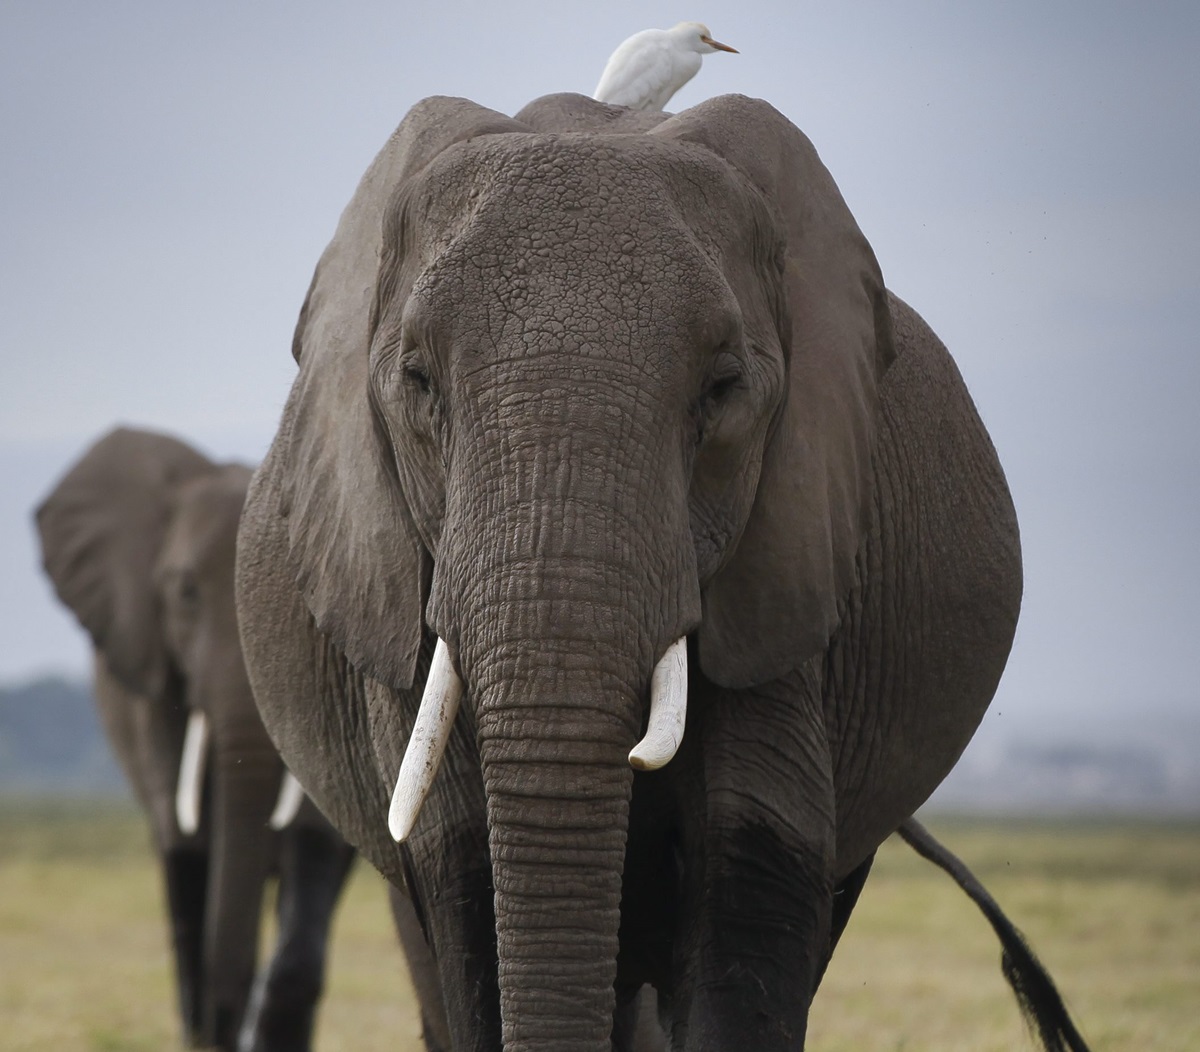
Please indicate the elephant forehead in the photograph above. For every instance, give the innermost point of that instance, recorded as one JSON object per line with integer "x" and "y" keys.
{"x": 571, "y": 225}
{"x": 204, "y": 525}
{"x": 575, "y": 193}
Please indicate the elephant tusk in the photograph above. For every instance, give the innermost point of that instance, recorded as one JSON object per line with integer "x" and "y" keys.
{"x": 439, "y": 706}
{"x": 291, "y": 796}
{"x": 191, "y": 774}
{"x": 668, "y": 710}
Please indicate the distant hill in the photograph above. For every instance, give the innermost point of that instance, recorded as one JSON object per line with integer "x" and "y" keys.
{"x": 51, "y": 742}
{"x": 1131, "y": 765}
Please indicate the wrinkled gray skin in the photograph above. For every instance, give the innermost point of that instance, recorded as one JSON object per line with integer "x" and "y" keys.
{"x": 571, "y": 386}
{"x": 138, "y": 539}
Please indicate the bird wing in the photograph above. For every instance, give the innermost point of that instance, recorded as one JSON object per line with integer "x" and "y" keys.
{"x": 640, "y": 71}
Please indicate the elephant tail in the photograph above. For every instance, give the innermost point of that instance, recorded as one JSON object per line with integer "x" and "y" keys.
{"x": 1039, "y": 999}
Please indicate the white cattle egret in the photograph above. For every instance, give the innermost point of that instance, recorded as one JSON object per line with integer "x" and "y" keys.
{"x": 649, "y": 67}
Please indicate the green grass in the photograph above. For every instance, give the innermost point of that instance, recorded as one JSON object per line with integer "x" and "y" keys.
{"x": 1113, "y": 910}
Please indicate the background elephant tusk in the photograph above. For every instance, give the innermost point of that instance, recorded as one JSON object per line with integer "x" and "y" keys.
{"x": 439, "y": 706}
{"x": 668, "y": 710}
{"x": 291, "y": 796}
{"x": 191, "y": 774}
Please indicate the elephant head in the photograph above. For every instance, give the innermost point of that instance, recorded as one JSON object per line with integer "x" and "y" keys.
{"x": 138, "y": 539}
{"x": 573, "y": 387}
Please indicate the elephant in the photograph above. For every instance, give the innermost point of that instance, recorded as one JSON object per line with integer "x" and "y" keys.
{"x": 627, "y": 565}
{"x": 138, "y": 540}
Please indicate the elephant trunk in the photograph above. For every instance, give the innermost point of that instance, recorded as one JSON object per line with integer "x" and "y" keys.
{"x": 554, "y": 750}
{"x": 565, "y": 571}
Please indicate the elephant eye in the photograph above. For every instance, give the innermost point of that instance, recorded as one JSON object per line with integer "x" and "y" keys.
{"x": 720, "y": 386}
{"x": 189, "y": 591}
{"x": 418, "y": 377}
{"x": 726, "y": 377}
{"x": 416, "y": 374}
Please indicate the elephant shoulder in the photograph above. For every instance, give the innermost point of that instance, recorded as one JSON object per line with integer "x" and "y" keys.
{"x": 569, "y": 112}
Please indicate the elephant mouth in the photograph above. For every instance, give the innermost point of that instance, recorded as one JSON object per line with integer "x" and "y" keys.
{"x": 439, "y": 707}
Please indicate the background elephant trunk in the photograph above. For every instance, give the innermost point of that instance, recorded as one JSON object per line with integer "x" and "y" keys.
{"x": 245, "y": 778}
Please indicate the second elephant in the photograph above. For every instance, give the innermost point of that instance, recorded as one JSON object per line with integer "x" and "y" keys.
{"x": 138, "y": 539}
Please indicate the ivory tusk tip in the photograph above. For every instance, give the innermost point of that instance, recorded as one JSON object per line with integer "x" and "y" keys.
{"x": 644, "y": 758}
{"x": 190, "y": 787}
{"x": 400, "y": 823}
{"x": 641, "y": 763}
{"x": 426, "y": 745}
{"x": 291, "y": 796}
{"x": 188, "y": 821}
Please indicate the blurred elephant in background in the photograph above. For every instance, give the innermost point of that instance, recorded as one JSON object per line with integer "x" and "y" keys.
{"x": 630, "y": 555}
{"x": 138, "y": 538}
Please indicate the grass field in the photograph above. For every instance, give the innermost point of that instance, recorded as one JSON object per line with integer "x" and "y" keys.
{"x": 1113, "y": 910}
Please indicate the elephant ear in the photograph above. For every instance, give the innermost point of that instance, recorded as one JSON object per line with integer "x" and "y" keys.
{"x": 355, "y": 551}
{"x": 775, "y": 601}
{"x": 101, "y": 531}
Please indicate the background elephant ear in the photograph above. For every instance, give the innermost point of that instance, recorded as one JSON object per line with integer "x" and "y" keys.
{"x": 775, "y": 601}
{"x": 355, "y": 551}
{"x": 101, "y": 530}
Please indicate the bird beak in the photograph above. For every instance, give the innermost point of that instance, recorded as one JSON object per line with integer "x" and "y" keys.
{"x": 718, "y": 45}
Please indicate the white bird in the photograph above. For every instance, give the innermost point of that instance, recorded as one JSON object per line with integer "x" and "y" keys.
{"x": 649, "y": 67}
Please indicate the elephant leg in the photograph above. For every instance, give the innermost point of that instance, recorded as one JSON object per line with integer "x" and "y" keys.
{"x": 245, "y": 786}
{"x": 447, "y": 921}
{"x": 185, "y": 874}
{"x": 456, "y": 911}
{"x": 423, "y": 969}
{"x": 635, "y": 1022}
{"x": 313, "y": 865}
{"x": 758, "y": 905}
{"x": 845, "y": 898}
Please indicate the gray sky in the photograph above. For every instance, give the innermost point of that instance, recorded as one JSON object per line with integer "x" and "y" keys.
{"x": 1028, "y": 175}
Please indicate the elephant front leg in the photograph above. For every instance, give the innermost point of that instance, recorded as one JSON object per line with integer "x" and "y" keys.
{"x": 758, "y": 900}
{"x": 185, "y": 874}
{"x": 314, "y": 862}
{"x": 422, "y": 970}
{"x": 449, "y": 878}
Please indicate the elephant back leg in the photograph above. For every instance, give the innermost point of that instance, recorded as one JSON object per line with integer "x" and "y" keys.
{"x": 845, "y": 898}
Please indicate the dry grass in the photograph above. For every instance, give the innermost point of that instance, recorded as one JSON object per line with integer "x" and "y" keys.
{"x": 84, "y": 963}
{"x": 1114, "y": 911}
